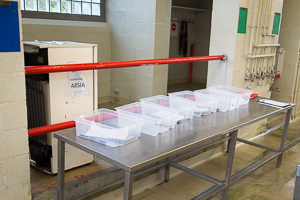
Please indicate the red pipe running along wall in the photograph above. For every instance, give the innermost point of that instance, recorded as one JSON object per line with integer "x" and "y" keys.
{"x": 30, "y": 70}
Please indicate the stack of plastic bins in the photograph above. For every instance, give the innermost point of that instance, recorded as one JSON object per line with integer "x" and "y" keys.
{"x": 226, "y": 101}
{"x": 185, "y": 110}
{"x": 108, "y": 127}
{"x": 243, "y": 93}
{"x": 205, "y": 96}
{"x": 156, "y": 120}
{"x": 202, "y": 106}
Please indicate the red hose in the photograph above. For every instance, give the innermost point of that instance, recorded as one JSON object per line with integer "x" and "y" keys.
{"x": 30, "y": 70}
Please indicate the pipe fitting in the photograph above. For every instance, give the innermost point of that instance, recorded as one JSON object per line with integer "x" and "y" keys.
{"x": 251, "y": 84}
{"x": 224, "y": 58}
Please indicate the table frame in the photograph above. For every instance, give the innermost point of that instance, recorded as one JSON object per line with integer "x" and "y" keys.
{"x": 170, "y": 162}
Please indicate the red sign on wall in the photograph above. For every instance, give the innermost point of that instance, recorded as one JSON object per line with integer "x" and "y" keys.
{"x": 174, "y": 29}
{"x": 173, "y": 26}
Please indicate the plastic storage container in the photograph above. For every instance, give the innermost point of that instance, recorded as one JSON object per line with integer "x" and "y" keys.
{"x": 185, "y": 110}
{"x": 243, "y": 93}
{"x": 202, "y": 106}
{"x": 156, "y": 120}
{"x": 108, "y": 127}
{"x": 227, "y": 101}
{"x": 205, "y": 96}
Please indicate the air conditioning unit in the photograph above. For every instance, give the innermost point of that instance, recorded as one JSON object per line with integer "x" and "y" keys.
{"x": 50, "y": 99}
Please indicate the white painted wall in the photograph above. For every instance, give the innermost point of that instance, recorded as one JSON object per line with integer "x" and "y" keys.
{"x": 139, "y": 30}
{"x": 132, "y": 26}
{"x": 161, "y": 45}
{"x": 86, "y": 32}
{"x": 14, "y": 151}
{"x": 223, "y": 38}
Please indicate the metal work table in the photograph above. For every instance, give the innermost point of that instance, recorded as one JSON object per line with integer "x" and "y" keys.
{"x": 206, "y": 130}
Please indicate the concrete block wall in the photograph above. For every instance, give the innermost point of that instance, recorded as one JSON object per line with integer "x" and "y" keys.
{"x": 86, "y": 32}
{"x": 289, "y": 40}
{"x": 132, "y": 26}
{"x": 139, "y": 30}
{"x": 161, "y": 45}
{"x": 223, "y": 39}
{"x": 14, "y": 151}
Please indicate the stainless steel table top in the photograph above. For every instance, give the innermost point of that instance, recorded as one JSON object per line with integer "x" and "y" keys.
{"x": 149, "y": 149}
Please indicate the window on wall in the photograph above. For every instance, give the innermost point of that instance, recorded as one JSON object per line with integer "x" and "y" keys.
{"x": 81, "y": 10}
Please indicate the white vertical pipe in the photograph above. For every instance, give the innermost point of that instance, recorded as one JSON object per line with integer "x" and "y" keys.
{"x": 258, "y": 21}
{"x": 269, "y": 16}
{"x": 256, "y": 63}
{"x": 253, "y": 71}
{"x": 263, "y": 51}
{"x": 251, "y": 40}
{"x": 273, "y": 39}
{"x": 266, "y": 8}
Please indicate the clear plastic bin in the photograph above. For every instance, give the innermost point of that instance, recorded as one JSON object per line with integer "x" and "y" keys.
{"x": 202, "y": 106}
{"x": 156, "y": 120}
{"x": 226, "y": 102}
{"x": 205, "y": 96}
{"x": 108, "y": 127}
{"x": 185, "y": 110}
{"x": 243, "y": 93}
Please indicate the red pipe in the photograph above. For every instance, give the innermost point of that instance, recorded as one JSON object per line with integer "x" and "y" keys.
{"x": 191, "y": 64}
{"x": 50, "y": 128}
{"x": 30, "y": 70}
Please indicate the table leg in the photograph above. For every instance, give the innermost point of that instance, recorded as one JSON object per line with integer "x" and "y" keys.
{"x": 231, "y": 150}
{"x": 297, "y": 184}
{"x": 283, "y": 138}
{"x": 167, "y": 171}
{"x": 128, "y": 185}
{"x": 61, "y": 170}
{"x": 228, "y": 144}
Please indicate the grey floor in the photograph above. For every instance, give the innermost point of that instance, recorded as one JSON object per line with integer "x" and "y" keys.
{"x": 266, "y": 183}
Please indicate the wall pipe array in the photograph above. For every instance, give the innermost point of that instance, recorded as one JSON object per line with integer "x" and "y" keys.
{"x": 30, "y": 70}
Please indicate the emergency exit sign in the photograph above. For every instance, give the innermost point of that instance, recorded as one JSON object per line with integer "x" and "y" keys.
{"x": 9, "y": 27}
